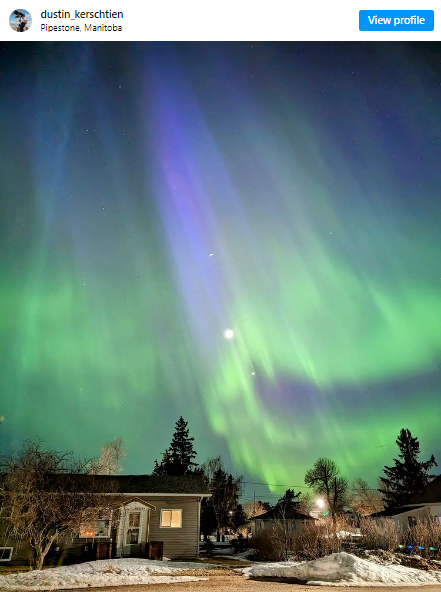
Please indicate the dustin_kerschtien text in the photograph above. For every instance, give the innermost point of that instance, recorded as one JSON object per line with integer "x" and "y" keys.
{"x": 79, "y": 15}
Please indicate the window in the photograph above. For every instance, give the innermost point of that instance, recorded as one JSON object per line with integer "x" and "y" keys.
{"x": 171, "y": 518}
{"x": 412, "y": 521}
{"x": 96, "y": 527}
{"x": 6, "y": 553}
{"x": 134, "y": 522}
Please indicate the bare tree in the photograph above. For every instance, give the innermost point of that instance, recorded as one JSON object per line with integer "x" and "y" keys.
{"x": 325, "y": 479}
{"x": 45, "y": 494}
{"x": 365, "y": 500}
{"x": 109, "y": 462}
{"x": 306, "y": 503}
{"x": 257, "y": 509}
{"x": 284, "y": 531}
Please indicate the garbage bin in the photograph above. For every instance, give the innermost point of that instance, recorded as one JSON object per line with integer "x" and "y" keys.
{"x": 104, "y": 550}
{"x": 156, "y": 550}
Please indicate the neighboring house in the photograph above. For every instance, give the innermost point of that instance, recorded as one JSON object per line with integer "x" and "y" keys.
{"x": 148, "y": 510}
{"x": 264, "y": 522}
{"x": 425, "y": 504}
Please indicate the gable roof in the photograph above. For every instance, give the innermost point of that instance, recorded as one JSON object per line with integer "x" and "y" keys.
{"x": 290, "y": 514}
{"x": 138, "y": 484}
{"x": 136, "y": 500}
{"x": 430, "y": 495}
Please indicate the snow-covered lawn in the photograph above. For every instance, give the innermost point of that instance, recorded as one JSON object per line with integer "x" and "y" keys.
{"x": 340, "y": 569}
{"x": 107, "y": 572}
{"x": 343, "y": 569}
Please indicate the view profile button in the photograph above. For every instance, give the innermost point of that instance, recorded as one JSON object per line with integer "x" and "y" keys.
{"x": 396, "y": 20}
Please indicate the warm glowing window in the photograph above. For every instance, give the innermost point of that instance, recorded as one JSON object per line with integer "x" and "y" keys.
{"x": 96, "y": 526}
{"x": 171, "y": 518}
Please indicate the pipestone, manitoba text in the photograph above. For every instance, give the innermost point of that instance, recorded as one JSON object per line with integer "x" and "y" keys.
{"x": 78, "y": 29}
{"x": 78, "y": 14}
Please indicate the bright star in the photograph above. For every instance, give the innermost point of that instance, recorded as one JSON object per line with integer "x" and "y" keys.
{"x": 228, "y": 333}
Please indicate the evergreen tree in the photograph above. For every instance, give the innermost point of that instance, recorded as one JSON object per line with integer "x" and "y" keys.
{"x": 266, "y": 506}
{"x": 290, "y": 499}
{"x": 208, "y": 518}
{"x": 218, "y": 511}
{"x": 408, "y": 476}
{"x": 182, "y": 453}
{"x": 240, "y": 517}
{"x": 164, "y": 467}
{"x": 178, "y": 459}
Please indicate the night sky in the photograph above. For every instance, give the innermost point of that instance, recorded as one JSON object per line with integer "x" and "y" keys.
{"x": 244, "y": 234}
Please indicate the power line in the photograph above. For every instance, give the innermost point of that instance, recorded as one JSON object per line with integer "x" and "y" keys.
{"x": 296, "y": 486}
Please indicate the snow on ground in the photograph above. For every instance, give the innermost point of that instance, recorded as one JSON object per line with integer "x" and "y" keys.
{"x": 106, "y": 572}
{"x": 343, "y": 569}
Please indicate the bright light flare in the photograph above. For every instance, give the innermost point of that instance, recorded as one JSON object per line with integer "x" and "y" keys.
{"x": 228, "y": 333}
{"x": 320, "y": 503}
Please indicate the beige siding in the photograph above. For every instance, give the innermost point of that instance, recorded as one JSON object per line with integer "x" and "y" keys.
{"x": 418, "y": 513}
{"x": 178, "y": 542}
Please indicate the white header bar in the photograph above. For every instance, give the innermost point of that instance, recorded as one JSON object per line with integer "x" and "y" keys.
{"x": 226, "y": 20}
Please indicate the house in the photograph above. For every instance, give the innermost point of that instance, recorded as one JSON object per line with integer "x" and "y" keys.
{"x": 421, "y": 505}
{"x": 294, "y": 519}
{"x": 153, "y": 515}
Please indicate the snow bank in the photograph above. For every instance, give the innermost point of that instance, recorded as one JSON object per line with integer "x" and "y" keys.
{"x": 107, "y": 572}
{"x": 343, "y": 569}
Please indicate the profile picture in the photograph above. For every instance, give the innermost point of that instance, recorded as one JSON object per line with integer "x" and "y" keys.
{"x": 20, "y": 20}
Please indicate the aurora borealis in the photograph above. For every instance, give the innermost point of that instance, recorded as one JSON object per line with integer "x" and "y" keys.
{"x": 154, "y": 196}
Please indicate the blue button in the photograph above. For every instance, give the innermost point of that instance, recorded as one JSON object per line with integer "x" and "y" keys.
{"x": 396, "y": 20}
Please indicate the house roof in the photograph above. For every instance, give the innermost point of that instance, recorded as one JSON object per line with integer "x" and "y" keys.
{"x": 141, "y": 484}
{"x": 430, "y": 495}
{"x": 389, "y": 512}
{"x": 275, "y": 514}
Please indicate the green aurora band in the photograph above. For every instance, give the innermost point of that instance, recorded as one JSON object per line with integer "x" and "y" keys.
{"x": 277, "y": 205}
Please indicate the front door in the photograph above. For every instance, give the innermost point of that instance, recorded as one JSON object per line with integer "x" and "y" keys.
{"x": 132, "y": 535}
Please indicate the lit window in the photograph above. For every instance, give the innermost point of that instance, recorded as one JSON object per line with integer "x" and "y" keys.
{"x": 132, "y": 536}
{"x": 96, "y": 527}
{"x": 171, "y": 518}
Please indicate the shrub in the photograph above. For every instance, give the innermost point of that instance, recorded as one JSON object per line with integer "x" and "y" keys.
{"x": 320, "y": 538}
{"x": 423, "y": 535}
{"x": 264, "y": 547}
{"x": 381, "y": 533}
{"x": 308, "y": 541}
